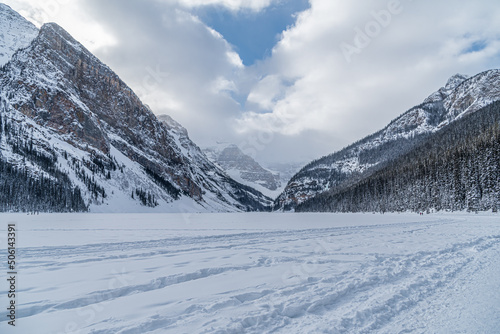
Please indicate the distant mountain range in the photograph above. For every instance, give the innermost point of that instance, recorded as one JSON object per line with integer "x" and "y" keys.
{"x": 74, "y": 137}
{"x": 343, "y": 181}
{"x": 244, "y": 168}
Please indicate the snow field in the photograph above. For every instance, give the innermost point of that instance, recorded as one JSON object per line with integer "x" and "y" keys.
{"x": 256, "y": 273}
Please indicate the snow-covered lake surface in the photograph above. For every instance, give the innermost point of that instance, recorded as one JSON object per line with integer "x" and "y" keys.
{"x": 254, "y": 273}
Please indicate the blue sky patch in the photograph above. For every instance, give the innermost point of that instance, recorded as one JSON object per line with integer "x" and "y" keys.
{"x": 476, "y": 46}
{"x": 252, "y": 34}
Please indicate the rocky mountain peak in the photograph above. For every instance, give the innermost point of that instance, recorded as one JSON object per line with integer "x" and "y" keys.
{"x": 455, "y": 80}
{"x": 452, "y": 83}
{"x": 173, "y": 124}
{"x": 243, "y": 168}
{"x": 475, "y": 93}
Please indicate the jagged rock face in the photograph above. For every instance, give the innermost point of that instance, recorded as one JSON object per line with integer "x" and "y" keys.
{"x": 231, "y": 159}
{"x": 67, "y": 92}
{"x": 472, "y": 95}
{"x": 443, "y": 92}
{"x": 81, "y": 98}
{"x": 460, "y": 96}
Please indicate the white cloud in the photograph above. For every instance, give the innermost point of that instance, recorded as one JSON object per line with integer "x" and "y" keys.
{"x": 234, "y": 5}
{"x": 221, "y": 85}
{"x": 266, "y": 92}
{"x": 407, "y": 56}
{"x": 306, "y": 93}
{"x": 234, "y": 59}
{"x": 85, "y": 29}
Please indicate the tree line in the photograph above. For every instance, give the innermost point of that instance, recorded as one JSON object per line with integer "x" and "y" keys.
{"x": 456, "y": 168}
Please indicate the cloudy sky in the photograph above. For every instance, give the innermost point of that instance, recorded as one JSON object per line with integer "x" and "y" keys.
{"x": 286, "y": 80}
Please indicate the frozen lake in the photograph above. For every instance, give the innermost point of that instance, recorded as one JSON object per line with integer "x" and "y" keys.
{"x": 254, "y": 273}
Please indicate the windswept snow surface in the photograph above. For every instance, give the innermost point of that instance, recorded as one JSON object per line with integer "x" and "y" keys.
{"x": 255, "y": 273}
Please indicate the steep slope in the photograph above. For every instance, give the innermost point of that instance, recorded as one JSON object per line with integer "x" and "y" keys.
{"x": 459, "y": 97}
{"x": 15, "y": 33}
{"x": 59, "y": 101}
{"x": 244, "y": 168}
{"x": 455, "y": 168}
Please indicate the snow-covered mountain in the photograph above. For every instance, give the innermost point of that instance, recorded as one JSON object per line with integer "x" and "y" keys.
{"x": 244, "y": 168}
{"x": 454, "y": 169}
{"x": 459, "y": 97}
{"x": 15, "y": 33}
{"x": 68, "y": 121}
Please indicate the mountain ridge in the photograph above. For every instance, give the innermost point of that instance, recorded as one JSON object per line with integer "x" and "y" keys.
{"x": 460, "y": 96}
{"x": 453, "y": 169}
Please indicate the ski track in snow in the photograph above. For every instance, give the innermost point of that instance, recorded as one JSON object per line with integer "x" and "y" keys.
{"x": 282, "y": 274}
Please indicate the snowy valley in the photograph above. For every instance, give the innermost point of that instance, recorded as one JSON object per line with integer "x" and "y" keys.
{"x": 114, "y": 221}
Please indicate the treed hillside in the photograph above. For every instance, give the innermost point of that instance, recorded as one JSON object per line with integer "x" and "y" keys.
{"x": 459, "y": 97}
{"x": 49, "y": 189}
{"x": 457, "y": 168}
{"x": 321, "y": 178}
{"x": 20, "y": 191}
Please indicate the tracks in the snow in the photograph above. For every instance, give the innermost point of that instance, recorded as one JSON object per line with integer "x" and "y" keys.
{"x": 363, "y": 295}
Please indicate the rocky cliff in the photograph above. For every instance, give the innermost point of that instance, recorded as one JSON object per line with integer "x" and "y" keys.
{"x": 61, "y": 101}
